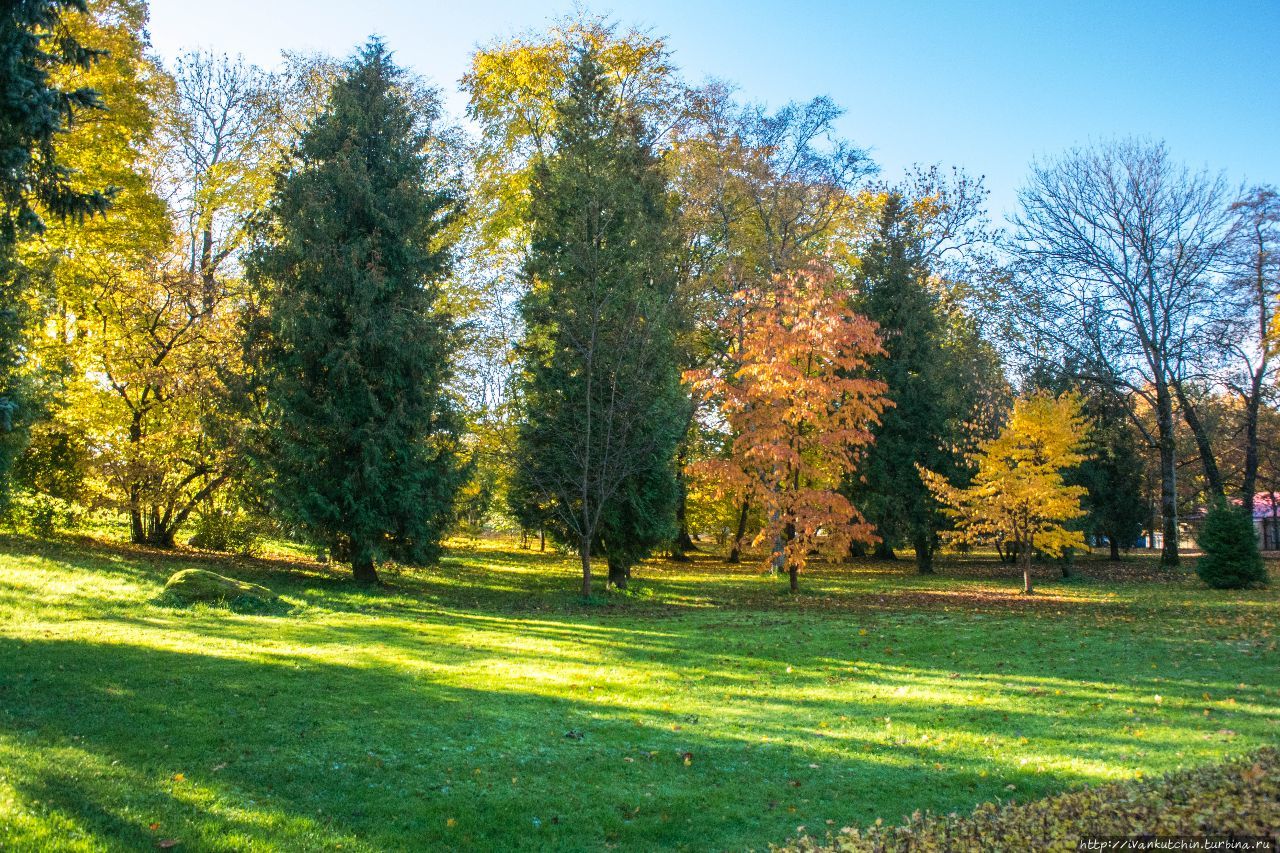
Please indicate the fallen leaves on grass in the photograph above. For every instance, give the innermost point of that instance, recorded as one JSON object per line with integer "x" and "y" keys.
{"x": 1236, "y": 798}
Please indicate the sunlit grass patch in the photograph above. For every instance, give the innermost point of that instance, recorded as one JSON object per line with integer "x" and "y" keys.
{"x": 480, "y": 704}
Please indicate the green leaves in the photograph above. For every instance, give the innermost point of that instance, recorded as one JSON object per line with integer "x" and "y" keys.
{"x": 1231, "y": 559}
{"x": 361, "y": 431}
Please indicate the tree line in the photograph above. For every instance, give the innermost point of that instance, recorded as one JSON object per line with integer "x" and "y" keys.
{"x": 619, "y": 309}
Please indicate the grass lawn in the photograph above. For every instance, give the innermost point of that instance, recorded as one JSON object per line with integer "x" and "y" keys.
{"x": 482, "y": 705}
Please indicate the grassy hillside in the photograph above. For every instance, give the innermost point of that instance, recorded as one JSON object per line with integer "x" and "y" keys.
{"x": 481, "y": 704}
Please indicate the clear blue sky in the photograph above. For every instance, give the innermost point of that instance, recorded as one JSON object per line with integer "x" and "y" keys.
{"x": 980, "y": 84}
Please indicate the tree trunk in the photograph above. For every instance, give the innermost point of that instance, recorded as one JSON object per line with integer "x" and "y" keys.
{"x": 584, "y": 554}
{"x": 362, "y": 564}
{"x": 1168, "y": 475}
{"x": 794, "y": 574}
{"x": 1213, "y": 478}
{"x": 1115, "y": 548}
{"x": 923, "y": 545}
{"x": 1250, "y": 483}
{"x": 684, "y": 542}
{"x": 619, "y": 575}
{"x": 857, "y": 550}
{"x": 735, "y": 553}
{"x": 884, "y": 551}
{"x": 206, "y": 271}
{"x": 542, "y": 538}
{"x": 1026, "y": 570}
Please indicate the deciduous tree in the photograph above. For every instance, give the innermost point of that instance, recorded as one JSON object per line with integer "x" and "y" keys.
{"x": 799, "y": 407}
{"x": 1116, "y": 247}
{"x": 36, "y": 46}
{"x": 1019, "y": 496}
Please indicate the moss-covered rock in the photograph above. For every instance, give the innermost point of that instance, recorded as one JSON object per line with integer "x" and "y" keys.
{"x": 190, "y": 585}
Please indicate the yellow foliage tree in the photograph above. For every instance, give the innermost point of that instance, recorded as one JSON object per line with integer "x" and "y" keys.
{"x": 1018, "y": 496}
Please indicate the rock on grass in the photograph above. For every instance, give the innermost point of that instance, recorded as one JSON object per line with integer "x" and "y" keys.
{"x": 192, "y": 585}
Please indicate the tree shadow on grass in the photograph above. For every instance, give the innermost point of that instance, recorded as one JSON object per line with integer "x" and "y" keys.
{"x": 270, "y": 744}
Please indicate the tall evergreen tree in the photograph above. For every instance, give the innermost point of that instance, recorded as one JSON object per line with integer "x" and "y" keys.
{"x": 1112, "y": 472}
{"x": 894, "y": 292}
{"x": 34, "y": 43}
{"x": 603, "y": 408}
{"x": 360, "y": 443}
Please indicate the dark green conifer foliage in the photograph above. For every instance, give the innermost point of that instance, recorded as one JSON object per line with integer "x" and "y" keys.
{"x": 603, "y": 407}
{"x": 361, "y": 434}
{"x": 894, "y": 292}
{"x": 1231, "y": 559}
{"x": 1113, "y": 474}
{"x": 33, "y": 44}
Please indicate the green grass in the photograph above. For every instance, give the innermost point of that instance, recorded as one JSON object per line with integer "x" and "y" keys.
{"x": 482, "y": 705}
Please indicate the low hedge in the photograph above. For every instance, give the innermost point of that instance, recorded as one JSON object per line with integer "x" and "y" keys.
{"x": 1240, "y": 797}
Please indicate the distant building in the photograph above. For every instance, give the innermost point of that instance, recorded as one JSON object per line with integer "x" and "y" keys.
{"x": 1266, "y": 520}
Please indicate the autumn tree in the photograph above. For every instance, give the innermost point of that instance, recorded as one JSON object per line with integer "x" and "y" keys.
{"x": 760, "y": 193}
{"x": 799, "y": 407}
{"x": 1116, "y": 249}
{"x": 1019, "y": 496}
{"x": 111, "y": 339}
{"x": 40, "y": 103}
{"x": 361, "y": 430}
{"x": 599, "y": 389}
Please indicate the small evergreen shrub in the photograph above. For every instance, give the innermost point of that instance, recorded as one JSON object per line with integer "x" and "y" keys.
{"x": 1231, "y": 559}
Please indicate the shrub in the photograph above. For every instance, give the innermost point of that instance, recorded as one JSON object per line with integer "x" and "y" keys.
{"x": 1231, "y": 559}
{"x": 1236, "y": 798}
{"x": 41, "y": 515}
{"x": 226, "y": 529}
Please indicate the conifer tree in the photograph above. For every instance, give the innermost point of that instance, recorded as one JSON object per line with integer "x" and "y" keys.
{"x": 1112, "y": 472}
{"x": 603, "y": 408}
{"x": 894, "y": 292}
{"x": 34, "y": 110}
{"x": 361, "y": 433}
{"x": 1231, "y": 559}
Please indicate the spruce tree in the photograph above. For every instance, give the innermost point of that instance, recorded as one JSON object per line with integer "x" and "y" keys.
{"x": 1231, "y": 558}
{"x": 361, "y": 433}
{"x": 33, "y": 112}
{"x": 1113, "y": 473}
{"x": 602, "y": 403}
{"x": 894, "y": 292}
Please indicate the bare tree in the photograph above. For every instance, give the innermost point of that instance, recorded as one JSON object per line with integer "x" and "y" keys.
{"x": 222, "y": 136}
{"x": 1249, "y": 337}
{"x": 1116, "y": 247}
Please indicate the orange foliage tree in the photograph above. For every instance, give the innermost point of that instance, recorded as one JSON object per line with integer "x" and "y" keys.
{"x": 798, "y": 405}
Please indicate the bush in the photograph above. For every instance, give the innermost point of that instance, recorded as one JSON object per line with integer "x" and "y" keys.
{"x": 41, "y": 515}
{"x": 1236, "y": 798}
{"x": 1231, "y": 559}
{"x": 225, "y": 529}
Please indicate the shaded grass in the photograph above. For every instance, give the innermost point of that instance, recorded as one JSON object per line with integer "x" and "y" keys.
{"x": 707, "y": 710}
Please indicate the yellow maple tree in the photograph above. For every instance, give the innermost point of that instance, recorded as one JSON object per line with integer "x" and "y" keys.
{"x": 1019, "y": 496}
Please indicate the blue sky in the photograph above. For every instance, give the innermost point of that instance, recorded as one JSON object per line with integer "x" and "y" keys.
{"x": 982, "y": 85}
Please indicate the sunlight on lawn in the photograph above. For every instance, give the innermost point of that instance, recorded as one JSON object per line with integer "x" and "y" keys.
{"x": 449, "y": 697}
